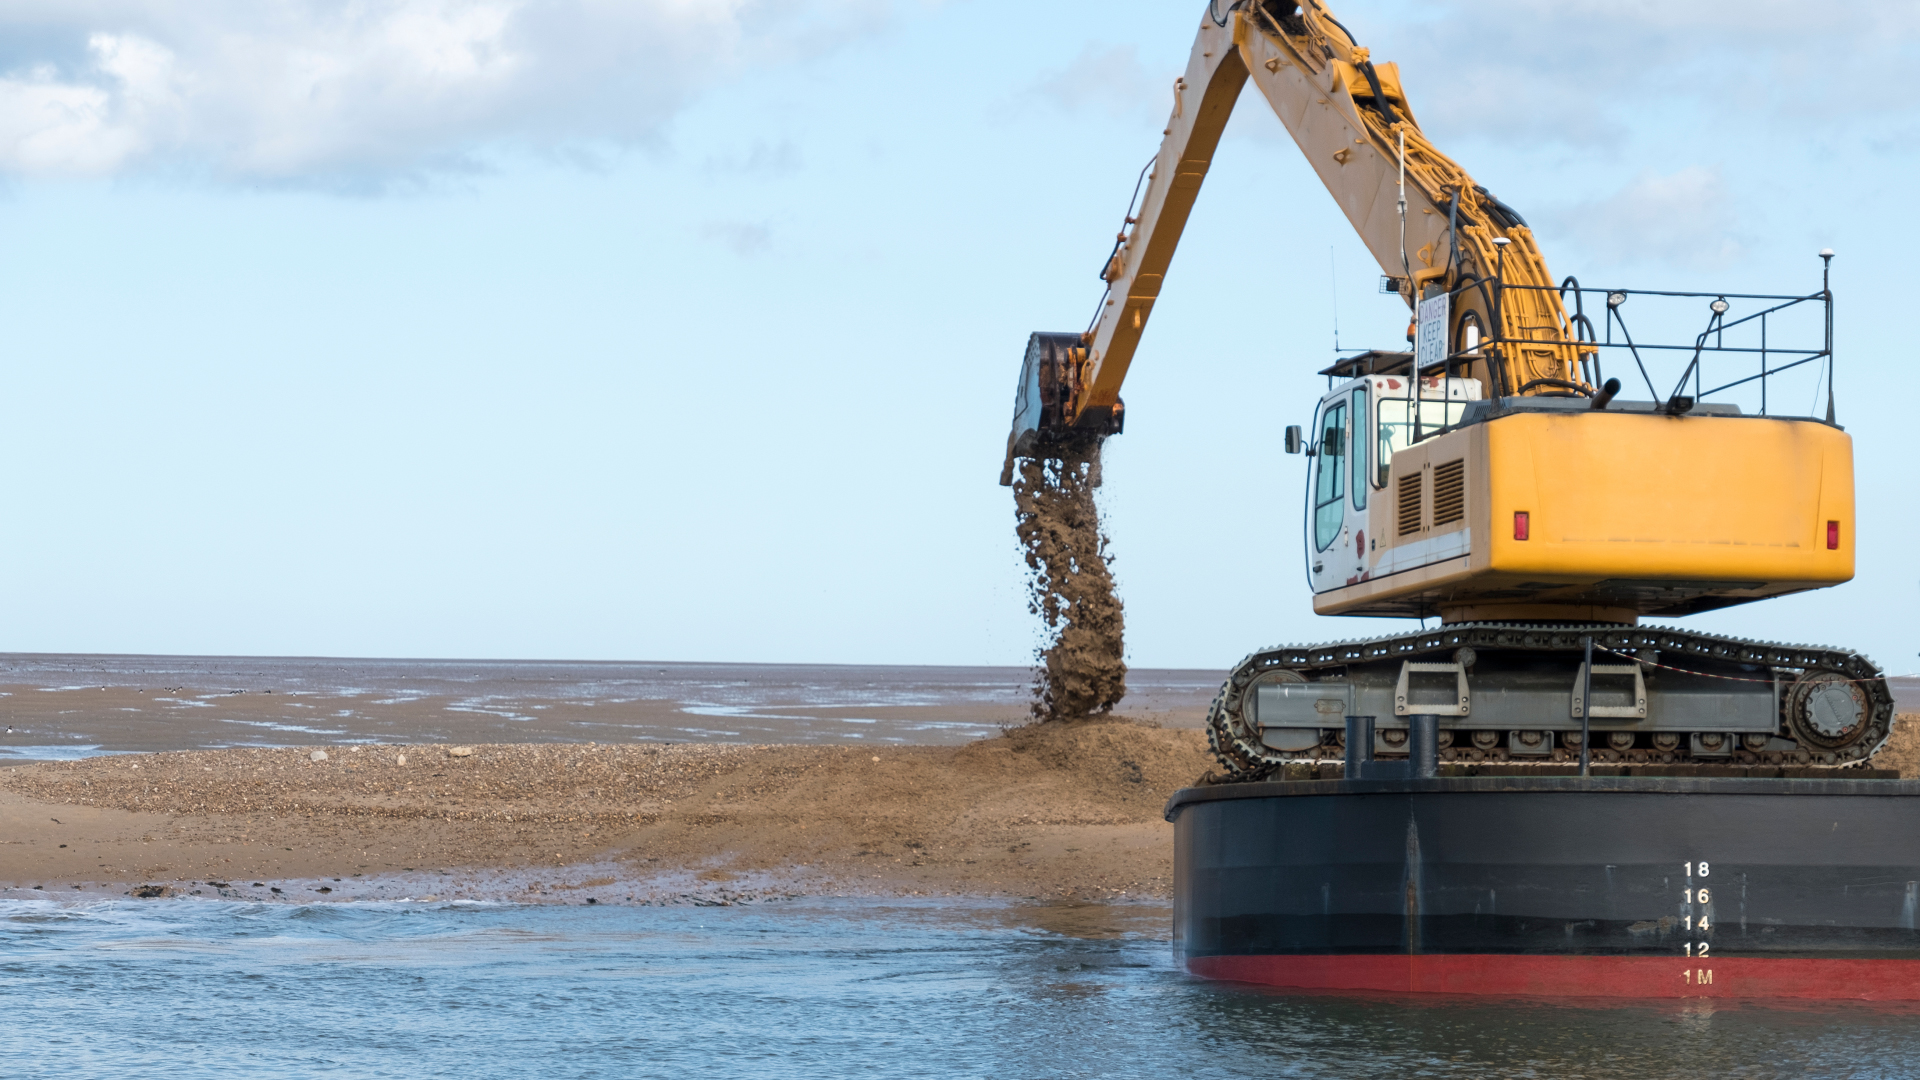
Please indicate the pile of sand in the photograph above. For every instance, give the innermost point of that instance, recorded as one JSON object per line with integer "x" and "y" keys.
{"x": 1902, "y": 749}
{"x": 1070, "y": 586}
{"x": 1054, "y": 810}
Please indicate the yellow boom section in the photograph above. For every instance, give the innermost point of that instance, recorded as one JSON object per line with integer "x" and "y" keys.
{"x": 1350, "y": 117}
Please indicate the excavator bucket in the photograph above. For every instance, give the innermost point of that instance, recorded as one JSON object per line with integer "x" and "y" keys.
{"x": 1043, "y": 401}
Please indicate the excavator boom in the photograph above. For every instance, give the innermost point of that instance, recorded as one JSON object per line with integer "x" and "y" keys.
{"x": 1425, "y": 221}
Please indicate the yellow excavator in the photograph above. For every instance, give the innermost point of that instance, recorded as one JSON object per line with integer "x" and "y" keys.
{"x": 1492, "y": 477}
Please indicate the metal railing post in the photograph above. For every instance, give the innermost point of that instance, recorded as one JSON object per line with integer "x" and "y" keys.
{"x": 1359, "y": 747}
{"x": 1586, "y": 711}
{"x": 1423, "y": 746}
{"x": 1826, "y": 295}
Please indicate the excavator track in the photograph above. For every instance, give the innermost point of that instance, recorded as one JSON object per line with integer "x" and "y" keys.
{"x": 1802, "y": 736}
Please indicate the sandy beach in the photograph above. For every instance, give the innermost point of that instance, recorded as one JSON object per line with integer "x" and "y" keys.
{"x": 576, "y": 782}
{"x": 1053, "y": 811}
{"x": 1056, "y": 812}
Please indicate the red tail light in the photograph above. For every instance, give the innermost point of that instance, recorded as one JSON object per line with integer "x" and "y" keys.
{"x": 1833, "y": 536}
{"x": 1521, "y": 526}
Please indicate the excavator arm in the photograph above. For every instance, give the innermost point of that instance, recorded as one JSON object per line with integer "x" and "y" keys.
{"x": 1429, "y": 226}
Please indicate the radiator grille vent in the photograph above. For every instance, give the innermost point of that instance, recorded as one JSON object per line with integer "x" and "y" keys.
{"x": 1449, "y": 492}
{"x": 1409, "y": 505}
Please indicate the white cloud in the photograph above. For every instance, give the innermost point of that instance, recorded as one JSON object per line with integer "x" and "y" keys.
{"x": 1682, "y": 219}
{"x": 1583, "y": 72}
{"x": 763, "y": 160}
{"x": 363, "y": 91}
{"x": 1589, "y": 74}
{"x": 740, "y": 237}
{"x": 1111, "y": 79}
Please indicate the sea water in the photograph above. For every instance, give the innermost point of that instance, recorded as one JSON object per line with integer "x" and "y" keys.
{"x": 814, "y": 988}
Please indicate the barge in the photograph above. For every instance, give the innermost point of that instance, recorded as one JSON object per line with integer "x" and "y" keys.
{"x": 1621, "y": 886}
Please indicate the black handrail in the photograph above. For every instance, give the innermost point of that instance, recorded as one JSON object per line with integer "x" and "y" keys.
{"x": 1492, "y": 350}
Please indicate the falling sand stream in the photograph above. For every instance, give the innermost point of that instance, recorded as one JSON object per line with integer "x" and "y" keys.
{"x": 1070, "y": 586}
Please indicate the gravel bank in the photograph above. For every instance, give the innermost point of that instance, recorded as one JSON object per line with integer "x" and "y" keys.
{"x": 1053, "y": 810}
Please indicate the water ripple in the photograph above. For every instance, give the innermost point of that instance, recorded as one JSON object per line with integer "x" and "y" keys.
{"x": 812, "y": 988}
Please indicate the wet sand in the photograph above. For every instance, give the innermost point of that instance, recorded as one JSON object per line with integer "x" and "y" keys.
{"x": 1070, "y": 585}
{"x": 63, "y": 707}
{"x": 1053, "y": 812}
{"x": 1056, "y": 812}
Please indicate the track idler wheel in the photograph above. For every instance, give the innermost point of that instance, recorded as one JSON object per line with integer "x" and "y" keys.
{"x": 1231, "y": 733}
{"x": 1827, "y": 710}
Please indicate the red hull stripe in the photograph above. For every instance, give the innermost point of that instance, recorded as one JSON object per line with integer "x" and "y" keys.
{"x": 1576, "y": 976}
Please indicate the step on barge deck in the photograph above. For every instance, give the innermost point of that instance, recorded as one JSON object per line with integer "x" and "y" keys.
{"x": 1562, "y": 886}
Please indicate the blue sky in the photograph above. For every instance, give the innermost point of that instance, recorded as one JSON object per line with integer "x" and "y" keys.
{"x": 678, "y": 330}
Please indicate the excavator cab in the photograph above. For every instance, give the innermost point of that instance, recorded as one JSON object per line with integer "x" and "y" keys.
{"x": 1368, "y": 417}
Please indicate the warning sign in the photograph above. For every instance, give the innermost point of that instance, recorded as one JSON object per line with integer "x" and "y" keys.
{"x": 1430, "y": 332}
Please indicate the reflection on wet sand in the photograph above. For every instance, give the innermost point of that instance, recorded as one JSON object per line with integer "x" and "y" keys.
{"x": 55, "y": 705}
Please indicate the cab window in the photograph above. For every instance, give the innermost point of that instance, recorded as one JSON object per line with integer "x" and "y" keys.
{"x": 1395, "y": 427}
{"x": 1359, "y": 479}
{"x": 1329, "y": 492}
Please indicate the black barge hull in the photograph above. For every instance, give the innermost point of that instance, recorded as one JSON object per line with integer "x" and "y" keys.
{"x": 1626, "y": 887}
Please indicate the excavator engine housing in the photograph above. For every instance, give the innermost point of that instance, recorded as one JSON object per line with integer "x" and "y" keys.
{"x": 1548, "y": 508}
